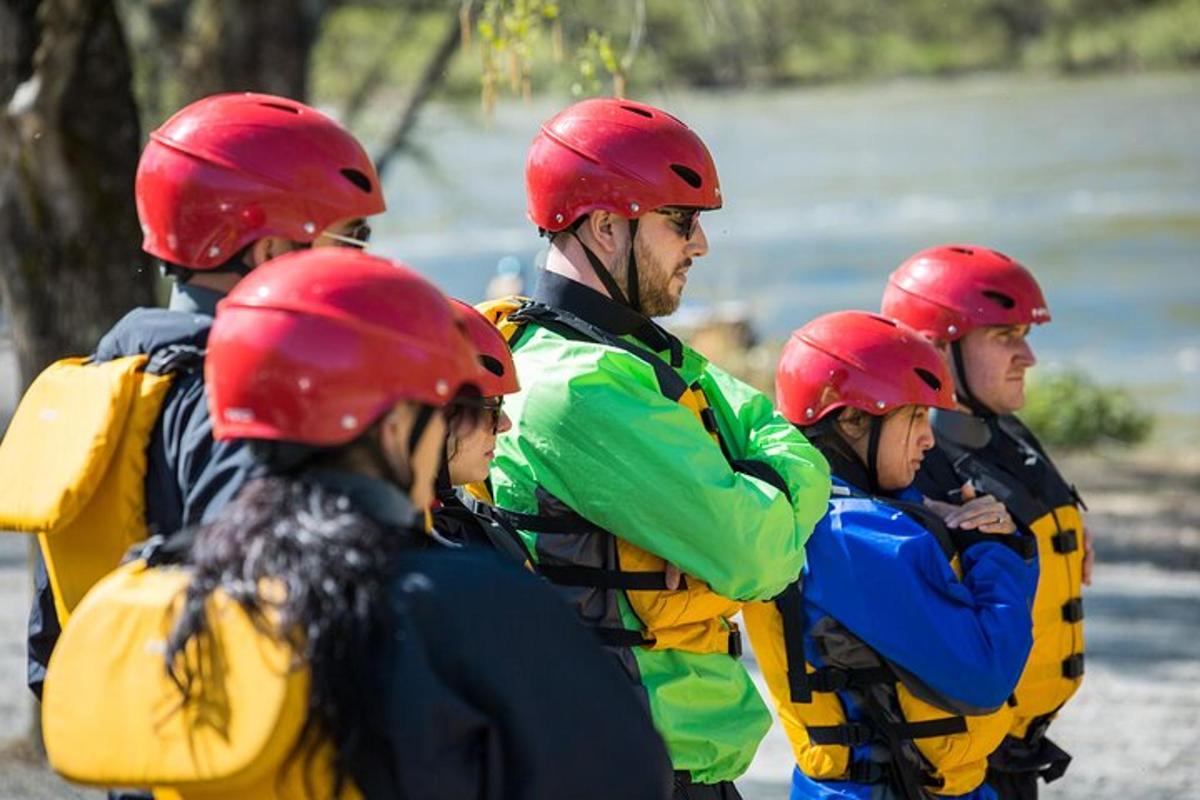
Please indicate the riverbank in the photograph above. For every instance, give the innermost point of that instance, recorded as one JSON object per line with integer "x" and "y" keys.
{"x": 1133, "y": 729}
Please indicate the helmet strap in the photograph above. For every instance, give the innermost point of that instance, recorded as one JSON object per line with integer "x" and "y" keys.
{"x": 602, "y": 272}
{"x": 873, "y": 435}
{"x": 379, "y": 458}
{"x": 965, "y": 396}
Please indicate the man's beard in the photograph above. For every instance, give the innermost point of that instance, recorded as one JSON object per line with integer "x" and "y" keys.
{"x": 654, "y": 283}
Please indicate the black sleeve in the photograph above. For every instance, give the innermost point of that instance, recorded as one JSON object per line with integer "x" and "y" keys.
{"x": 208, "y": 473}
{"x": 44, "y": 629}
{"x": 529, "y": 703}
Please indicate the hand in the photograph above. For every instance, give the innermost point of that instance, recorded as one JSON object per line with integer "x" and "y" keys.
{"x": 672, "y": 577}
{"x": 1089, "y": 556}
{"x": 985, "y": 514}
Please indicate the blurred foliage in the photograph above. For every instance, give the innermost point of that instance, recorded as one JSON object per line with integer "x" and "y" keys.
{"x": 1070, "y": 410}
{"x": 602, "y": 46}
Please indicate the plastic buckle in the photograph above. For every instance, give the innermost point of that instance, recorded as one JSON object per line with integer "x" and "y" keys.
{"x": 1065, "y": 542}
{"x": 1072, "y": 610}
{"x": 1072, "y": 667}
{"x": 735, "y": 643}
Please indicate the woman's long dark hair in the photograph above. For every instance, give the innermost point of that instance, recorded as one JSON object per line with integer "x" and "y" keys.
{"x": 332, "y": 564}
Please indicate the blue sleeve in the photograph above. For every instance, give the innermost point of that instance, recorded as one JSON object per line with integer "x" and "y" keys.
{"x": 887, "y": 580}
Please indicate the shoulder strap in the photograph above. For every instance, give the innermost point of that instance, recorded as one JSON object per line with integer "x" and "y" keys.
{"x": 570, "y": 326}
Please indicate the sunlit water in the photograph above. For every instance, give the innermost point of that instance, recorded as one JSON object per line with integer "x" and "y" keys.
{"x": 1095, "y": 184}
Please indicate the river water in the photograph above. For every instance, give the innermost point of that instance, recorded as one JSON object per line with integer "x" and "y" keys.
{"x": 1093, "y": 183}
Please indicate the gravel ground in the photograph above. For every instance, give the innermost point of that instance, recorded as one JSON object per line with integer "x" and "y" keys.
{"x": 1134, "y": 727}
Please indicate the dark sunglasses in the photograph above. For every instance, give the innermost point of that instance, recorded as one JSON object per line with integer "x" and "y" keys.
{"x": 685, "y": 221}
{"x": 482, "y": 405}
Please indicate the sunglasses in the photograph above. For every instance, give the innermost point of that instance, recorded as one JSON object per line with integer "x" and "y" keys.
{"x": 484, "y": 405}
{"x": 685, "y": 221}
{"x": 358, "y": 236}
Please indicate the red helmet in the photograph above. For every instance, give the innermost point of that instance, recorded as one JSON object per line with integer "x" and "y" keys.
{"x": 861, "y": 360}
{"x": 619, "y": 156}
{"x": 499, "y": 374}
{"x": 314, "y": 346}
{"x": 948, "y": 290}
{"x": 232, "y": 168}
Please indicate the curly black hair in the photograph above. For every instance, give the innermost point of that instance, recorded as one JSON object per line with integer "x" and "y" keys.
{"x": 332, "y": 565}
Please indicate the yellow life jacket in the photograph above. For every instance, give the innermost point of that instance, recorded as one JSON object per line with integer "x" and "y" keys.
{"x": 111, "y": 715}
{"x": 947, "y": 754}
{"x": 1050, "y": 513}
{"x": 692, "y": 618}
{"x": 73, "y": 465}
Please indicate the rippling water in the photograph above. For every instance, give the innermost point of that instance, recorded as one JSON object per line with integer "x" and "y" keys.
{"x": 1095, "y": 184}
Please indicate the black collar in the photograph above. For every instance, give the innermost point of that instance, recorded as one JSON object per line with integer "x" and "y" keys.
{"x": 378, "y": 499}
{"x": 562, "y": 293}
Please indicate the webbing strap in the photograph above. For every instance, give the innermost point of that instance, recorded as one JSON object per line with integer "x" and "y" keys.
{"x": 599, "y": 578}
{"x": 620, "y": 637}
{"x": 789, "y": 604}
{"x": 853, "y": 734}
{"x": 1065, "y": 542}
{"x": 1019, "y": 543}
{"x": 571, "y": 326}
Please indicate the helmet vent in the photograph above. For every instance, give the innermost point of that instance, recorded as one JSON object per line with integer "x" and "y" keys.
{"x": 357, "y": 178}
{"x": 930, "y": 379}
{"x": 641, "y": 112}
{"x": 492, "y": 365}
{"x": 966, "y": 251}
{"x": 884, "y": 320}
{"x": 999, "y": 297}
{"x": 689, "y": 175}
{"x": 281, "y": 107}
{"x": 998, "y": 254}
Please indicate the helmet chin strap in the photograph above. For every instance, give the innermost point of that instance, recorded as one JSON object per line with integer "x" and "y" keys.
{"x": 610, "y": 283}
{"x": 873, "y": 435}
{"x": 965, "y": 395}
{"x": 384, "y": 465}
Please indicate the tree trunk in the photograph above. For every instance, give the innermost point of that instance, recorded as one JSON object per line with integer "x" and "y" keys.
{"x": 70, "y": 261}
{"x": 260, "y": 46}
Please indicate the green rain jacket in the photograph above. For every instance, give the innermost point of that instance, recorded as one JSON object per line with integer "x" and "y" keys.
{"x": 593, "y": 432}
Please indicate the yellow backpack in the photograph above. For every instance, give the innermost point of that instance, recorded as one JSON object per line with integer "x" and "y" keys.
{"x": 73, "y": 465}
{"x": 692, "y": 618}
{"x": 111, "y": 716}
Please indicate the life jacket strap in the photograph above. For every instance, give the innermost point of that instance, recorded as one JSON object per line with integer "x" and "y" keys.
{"x": 855, "y": 734}
{"x": 1065, "y": 542}
{"x": 1072, "y": 610}
{"x": 599, "y": 578}
{"x": 1019, "y": 543}
{"x": 1072, "y": 666}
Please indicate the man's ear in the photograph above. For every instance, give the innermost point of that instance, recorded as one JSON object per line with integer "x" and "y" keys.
{"x": 604, "y": 231}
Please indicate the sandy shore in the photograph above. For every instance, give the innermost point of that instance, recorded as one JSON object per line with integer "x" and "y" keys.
{"x": 1134, "y": 727}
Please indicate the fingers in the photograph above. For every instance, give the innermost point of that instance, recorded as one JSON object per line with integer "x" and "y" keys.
{"x": 672, "y": 577}
{"x": 1089, "y": 556}
{"x": 985, "y": 514}
{"x": 980, "y": 510}
{"x": 968, "y": 491}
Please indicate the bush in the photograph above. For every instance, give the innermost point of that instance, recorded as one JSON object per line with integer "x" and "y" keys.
{"x": 1069, "y": 409}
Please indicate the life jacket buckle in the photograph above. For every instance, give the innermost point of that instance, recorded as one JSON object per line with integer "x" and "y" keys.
{"x": 1072, "y": 666}
{"x": 735, "y": 643}
{"x": 1065, "y": 542}
{"x": 1072, "y": 610}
